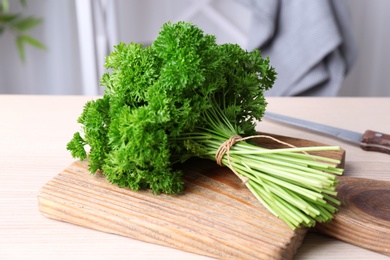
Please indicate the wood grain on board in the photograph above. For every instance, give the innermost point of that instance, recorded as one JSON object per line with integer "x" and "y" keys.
{"x": 217, "y": 216}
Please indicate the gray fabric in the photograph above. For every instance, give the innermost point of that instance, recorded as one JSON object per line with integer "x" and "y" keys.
{"x": 309, "y": 43}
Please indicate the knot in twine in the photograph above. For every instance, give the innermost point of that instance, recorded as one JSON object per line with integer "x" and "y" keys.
{"x": 225, "y": 149}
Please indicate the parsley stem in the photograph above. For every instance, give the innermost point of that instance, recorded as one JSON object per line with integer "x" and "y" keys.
{"x": 291, "y": 183}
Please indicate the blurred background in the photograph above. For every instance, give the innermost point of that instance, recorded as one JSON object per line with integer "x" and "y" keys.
{"x": 78, "y": 34}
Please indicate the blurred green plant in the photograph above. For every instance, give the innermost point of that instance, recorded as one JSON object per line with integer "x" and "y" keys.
{"x": 19, "y": 25}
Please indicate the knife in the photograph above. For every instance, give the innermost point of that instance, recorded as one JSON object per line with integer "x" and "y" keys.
{"x": 369, "y": 141}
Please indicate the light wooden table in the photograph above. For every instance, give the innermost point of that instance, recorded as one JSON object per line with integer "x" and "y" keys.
{"x": 34, "y": 131}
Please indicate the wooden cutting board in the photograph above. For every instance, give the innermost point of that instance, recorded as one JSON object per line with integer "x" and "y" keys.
{"x": 217, "y": 216}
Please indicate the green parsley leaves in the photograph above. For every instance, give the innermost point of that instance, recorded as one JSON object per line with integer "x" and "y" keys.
{"x": 185, "y": 96}
{"x": 154, "y": 94}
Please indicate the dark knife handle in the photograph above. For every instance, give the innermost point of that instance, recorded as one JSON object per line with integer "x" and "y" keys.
{"x": 376, "y": 141}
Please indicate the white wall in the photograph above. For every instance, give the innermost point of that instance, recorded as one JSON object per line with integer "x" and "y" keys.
{"x": 140, "y": 20}
{"x": 371, "y": 73}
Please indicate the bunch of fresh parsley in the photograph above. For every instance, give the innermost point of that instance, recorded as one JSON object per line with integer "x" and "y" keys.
{"x": 185, "y": 96}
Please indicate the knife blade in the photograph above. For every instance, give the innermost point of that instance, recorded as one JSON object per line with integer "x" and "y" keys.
{"x": 369, "y": 141}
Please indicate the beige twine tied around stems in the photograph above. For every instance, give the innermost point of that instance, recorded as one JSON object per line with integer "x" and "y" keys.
{"x": 225, "y": 149}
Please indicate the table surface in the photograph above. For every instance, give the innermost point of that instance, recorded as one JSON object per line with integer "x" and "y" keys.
{"x": 33, "y": 136}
